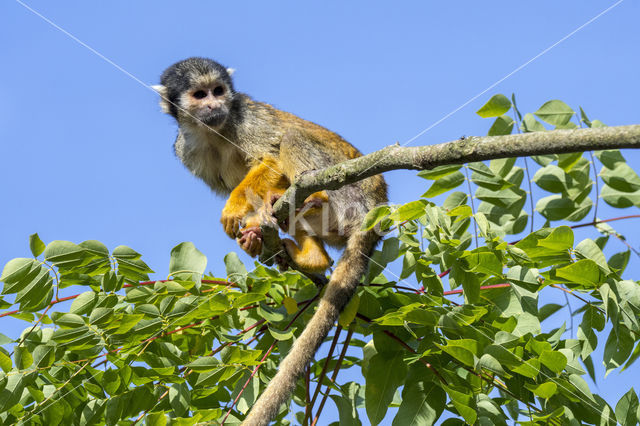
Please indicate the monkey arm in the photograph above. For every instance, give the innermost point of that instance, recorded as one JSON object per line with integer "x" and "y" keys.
{"x": 248, "y": 196}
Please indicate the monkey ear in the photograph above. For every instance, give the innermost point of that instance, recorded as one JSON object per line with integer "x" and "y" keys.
{"x": 164, "y": 102}
{"x": 230, "y": 71}
{"x": 162, "y": 90}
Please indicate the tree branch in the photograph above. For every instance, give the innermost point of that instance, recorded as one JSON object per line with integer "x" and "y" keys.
{"x": 460, "y": 151}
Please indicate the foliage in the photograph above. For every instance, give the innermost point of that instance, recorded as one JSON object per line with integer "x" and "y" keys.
{"x": 199, "y": 349}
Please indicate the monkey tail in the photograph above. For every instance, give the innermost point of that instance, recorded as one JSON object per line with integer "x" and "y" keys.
{"x": 340, "y": 289}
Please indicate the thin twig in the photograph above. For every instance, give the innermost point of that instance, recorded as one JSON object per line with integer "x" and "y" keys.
{"x": 407, "y": 347}
{"x": 334, "y": 375}
{"x": 595, "y": 180}
{"x": 533, "y": 210}
{"x": 253, "y": 373}
{"x": 325, "y": 367}
{"x": 309, "y": 302}
{"x": 307, "y": 386}
{"x": 596, "y": 222}
{"x": 144, "y": 413}
{"x": 473, "y": 210}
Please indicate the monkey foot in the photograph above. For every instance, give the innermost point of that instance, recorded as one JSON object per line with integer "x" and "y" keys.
{"x": 250, "y": 240}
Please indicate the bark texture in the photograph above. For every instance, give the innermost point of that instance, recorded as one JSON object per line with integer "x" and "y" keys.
{"x": 460, "y": 151}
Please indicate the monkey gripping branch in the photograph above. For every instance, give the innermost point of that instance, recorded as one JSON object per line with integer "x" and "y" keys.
{"x": 460, "y": 151}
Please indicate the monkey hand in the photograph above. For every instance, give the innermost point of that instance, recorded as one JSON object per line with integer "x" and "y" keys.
{"x": 250, "y": 240}
{"x": 231, "y": 219}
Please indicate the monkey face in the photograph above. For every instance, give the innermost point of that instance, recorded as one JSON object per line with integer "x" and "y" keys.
{"x": 197, "y": 91}
{"x": 207, "y": 105}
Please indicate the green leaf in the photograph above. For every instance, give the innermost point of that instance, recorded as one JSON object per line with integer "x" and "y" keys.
{"x": 36, "y": 245}
{"x": 204, "y": 364}
{"x": 544, "y": 390}
{"x": 588, "y": 249}
{"x": 17, "y": 271}
{"x": 439, "y": 172}
{"x": 346, "y": 409}
{"x": 236, "y": 272}
{"x": 503, "y": 125}
{"x": 96, "y": 248}
{"x": 555, "y": 207}
{"x": 553, "y": 360}
{"x": 5, "y": 361}
{"x": 422, "y": 404}
{"x": 619, "y": 261}
{"x": 528, "y": 368}
{"x": 444, "y": 184}
{"x": 383, "y": 377}
{"x": 555, "y": 112}
{"x": 530, "y": 124}
{"x": 464, "y": 403}
{"x": 484, "y": 262}
{"x": 553, "y": 179}
{"x": 270, "y": 314}
{"x": 64, "y": 254}
{"x": 84, "y": 303}
{"x": 627, "y": 409}
{"x": 488, "y": 362}
{"x": 124, "y": 252}
{"x": 462, "y": 350}
{"x": 160, "y": 419}
{"x": 610, "y": 157}
{"x": 348, "y": 314}
{"x": 111, "y": 381}
{"x": 469, "y": 281}
{"x": 33, "y": 296}
{"x": 375, "y": 216}
{"x": 497, "y": 105}
{"x": 111, "y": 282}
{"x": 584, "y": 272}
{"x": 12, "y": 391}
{"x": 619, "y": 199}
{"x": 235, "y": 355}
{"x": 409, "y": 211}
{"x": 22, "y": 357}
{"x": 179, "y": 398}
{"x": 584, "y": 118}
{"x": 67, "y": 320}
{"x": 524, "y": 277}
{"x": 187, "y": 262}
{"x": 617, "y": 348}
{"x": 282, "y": 335}
{"x": 592, "y": 319}
{"x": 44, "y": 355}
{"x": 621, "y": 177}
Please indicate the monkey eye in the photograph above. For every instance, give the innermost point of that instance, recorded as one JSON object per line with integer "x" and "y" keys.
{"x": 199, "y": 94}
{"x": 218, "y": 91}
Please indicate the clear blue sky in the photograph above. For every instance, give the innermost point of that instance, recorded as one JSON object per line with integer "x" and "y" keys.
{"x": 87, "y": 154}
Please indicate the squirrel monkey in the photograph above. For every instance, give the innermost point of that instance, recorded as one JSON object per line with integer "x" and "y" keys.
{"x": 252, "y": 152}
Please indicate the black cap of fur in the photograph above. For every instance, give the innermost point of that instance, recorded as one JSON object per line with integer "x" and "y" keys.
{"x": 179, "y": 78}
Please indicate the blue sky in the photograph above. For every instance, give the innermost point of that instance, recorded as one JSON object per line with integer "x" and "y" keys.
{"x": 87, "y": 154}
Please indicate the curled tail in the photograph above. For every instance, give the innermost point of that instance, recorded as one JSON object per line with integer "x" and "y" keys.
{"x": 341, "y": 287}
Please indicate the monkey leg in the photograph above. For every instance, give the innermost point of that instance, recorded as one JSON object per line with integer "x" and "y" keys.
{"x": 315, "y": 201}
{"x": 309, "y": 253}
{"x": 312, "y": 205}
{"x": 249, "y": 194}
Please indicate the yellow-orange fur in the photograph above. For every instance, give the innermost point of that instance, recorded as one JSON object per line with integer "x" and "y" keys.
{"x": 251, "y": 200}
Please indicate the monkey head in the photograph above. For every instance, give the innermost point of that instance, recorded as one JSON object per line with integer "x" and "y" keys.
{"x": 198, "y": 91}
